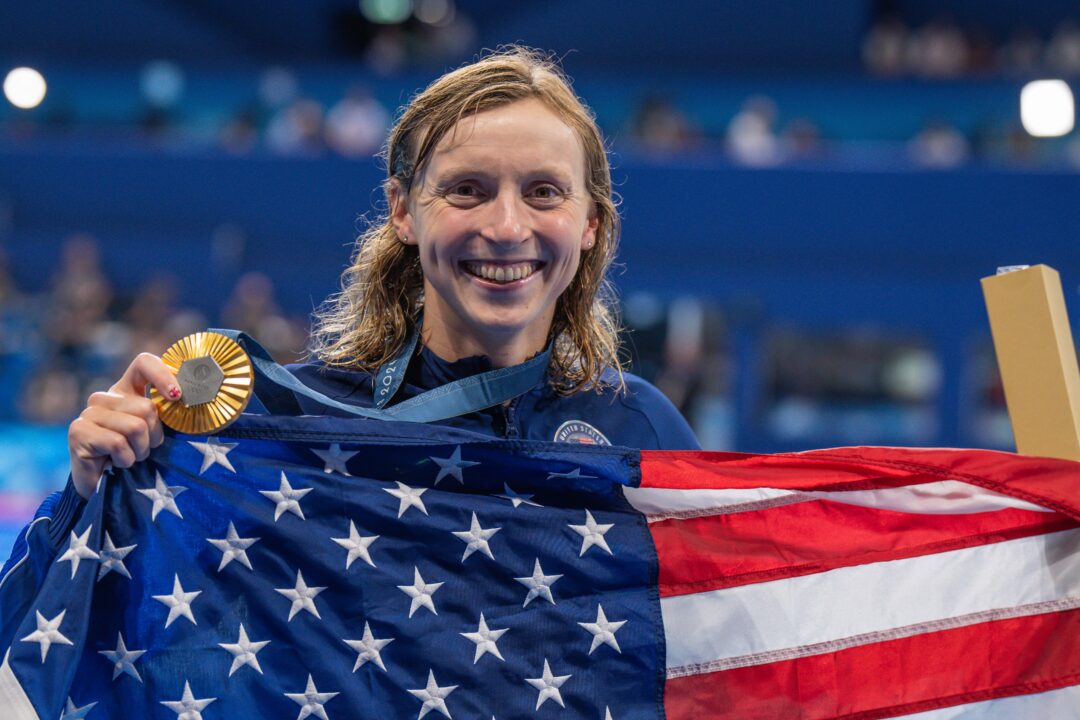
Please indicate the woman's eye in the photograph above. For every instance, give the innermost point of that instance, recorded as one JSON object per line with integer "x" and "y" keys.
{"x": 546, "y": 192}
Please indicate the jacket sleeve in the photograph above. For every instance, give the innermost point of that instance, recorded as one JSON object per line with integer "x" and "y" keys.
{"x": 34, "y": 551}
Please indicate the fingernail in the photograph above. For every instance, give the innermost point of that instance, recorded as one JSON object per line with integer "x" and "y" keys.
{"x": 174, "y": 392}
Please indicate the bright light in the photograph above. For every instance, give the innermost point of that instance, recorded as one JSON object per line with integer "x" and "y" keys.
{"x": 386, "y": 12}
{"x": 24, "y": 88}
{"x": 1047, "y": 108}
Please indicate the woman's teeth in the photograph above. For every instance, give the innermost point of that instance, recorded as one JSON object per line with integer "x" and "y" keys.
{"x": 501, "y": 273}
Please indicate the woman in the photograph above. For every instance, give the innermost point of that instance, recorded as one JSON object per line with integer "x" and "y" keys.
{"x": 500, "y": 230}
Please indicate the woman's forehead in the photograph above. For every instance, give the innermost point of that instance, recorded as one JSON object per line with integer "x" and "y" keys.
{"x": 524, "y": 132}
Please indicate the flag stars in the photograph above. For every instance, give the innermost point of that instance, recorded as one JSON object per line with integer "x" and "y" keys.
{"x": 420, "y": 592}
{"x": 452, "y": 466}
{"x": 47, "y": 633}
{"x": 287, "y": 498}
{"x": 517, "y": 498}
{"x": 369, "y": 649}
{"x": 75, "y": 713}
{"x": 539, "y": 584}
{"x": 163, "y": 497}
{"x": 603, "y": 631}
{"x": 123, "y": 660}
{"x": 357, "y": 545}
{"x": 548, "y": 685}
{"x": 311, "y": 701}
{"x": 409, "y": 497}
{"x": 476, "y": 538}
{"x": 592, "y": 533}
{"x": 302, "y": 596}
{"x": 335, "y": 459}
{"x": 78, "y": 550}
{"x": 112, "y": 558}
{"x": 433, "y": 696}
{"x": 214, "y": 452}
{"x": 188, "y": 707}
{"x": 233, "y": 547}
{"x": 244, "y": 652}
{"x": 179, "y": 602}
{"x": 485, "y": 640}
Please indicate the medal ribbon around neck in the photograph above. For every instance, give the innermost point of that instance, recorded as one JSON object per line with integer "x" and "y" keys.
{"x": 461, "y": 397}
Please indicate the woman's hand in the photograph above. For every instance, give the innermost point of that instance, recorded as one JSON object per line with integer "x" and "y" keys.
{"x": 120, "y": 425}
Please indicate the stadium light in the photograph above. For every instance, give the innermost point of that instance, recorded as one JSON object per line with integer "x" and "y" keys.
{"x": 24, "y": 87}
{"x": 1047, "y": 108}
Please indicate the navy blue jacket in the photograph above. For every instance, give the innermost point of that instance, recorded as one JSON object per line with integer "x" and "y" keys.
{"x": 642, "y": 418}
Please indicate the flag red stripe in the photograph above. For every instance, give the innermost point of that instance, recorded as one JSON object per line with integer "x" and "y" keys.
{"x": 719, "y": 551}
{"x": 1053, "y": 484}
{"x": 896, "y": 677}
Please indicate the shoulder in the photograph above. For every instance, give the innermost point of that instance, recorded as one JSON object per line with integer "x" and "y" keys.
{"x": 640, "y": 418}
{"x": 671, "y": 428}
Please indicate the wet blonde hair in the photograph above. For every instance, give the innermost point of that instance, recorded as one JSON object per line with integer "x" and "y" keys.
{"x": 368, "y": 323}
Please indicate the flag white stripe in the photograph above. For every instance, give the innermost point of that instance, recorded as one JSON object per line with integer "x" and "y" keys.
{"x": 12, "y": 696}
{"x": 951, "y": 497}
{"x": 874, "y": 637}
{"x": 1061, "y": 704}
{"x": 702, "y": 628}
{"x": 664, "y": 501}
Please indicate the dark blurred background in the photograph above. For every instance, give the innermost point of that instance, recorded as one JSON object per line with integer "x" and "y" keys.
{"x": 811, "y": 192}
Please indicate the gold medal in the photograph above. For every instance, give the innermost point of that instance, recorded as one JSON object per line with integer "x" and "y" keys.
{"x": 216, "y": 382}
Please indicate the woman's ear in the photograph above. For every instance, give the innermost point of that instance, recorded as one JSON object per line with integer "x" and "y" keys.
{"x": 588, "y": 238}
{"x": 400, "y": 217}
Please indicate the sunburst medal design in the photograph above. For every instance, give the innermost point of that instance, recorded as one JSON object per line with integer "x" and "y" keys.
{"x": 216, "y": 382}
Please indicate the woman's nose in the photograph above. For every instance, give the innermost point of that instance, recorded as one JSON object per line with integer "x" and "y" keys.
{"x": 507, "y": 223}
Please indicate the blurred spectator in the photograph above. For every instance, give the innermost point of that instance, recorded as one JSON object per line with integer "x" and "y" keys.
{"x": 149, "y": 319}
{"x": 1063, "y": 51}
{"x": 658, "y": 125}
{"x": 296, "y": 129}
{"x": 884, "y": 48}
{"x": 1022, "y": 54}
{"x": 356, "y": 125}
{"x": 938, "y": 49}
{"x": 939, "y": 145}
{"x": 80, "y": 296}
{"x": 253, "y": 309}
{"x": 240, "y": 134}
{"x": 52, "y": 396}
{"x": 388, "y": 52}
{"x": 801, "y": 139}
{"x": 751, "y": 134}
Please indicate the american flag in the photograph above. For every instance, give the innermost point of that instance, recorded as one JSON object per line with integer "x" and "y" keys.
{"x": 308, "y": 567}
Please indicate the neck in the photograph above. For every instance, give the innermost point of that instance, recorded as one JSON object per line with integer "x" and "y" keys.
{"x": 451, "y": 341}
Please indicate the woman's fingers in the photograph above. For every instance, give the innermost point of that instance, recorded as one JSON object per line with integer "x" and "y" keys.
{"x": 147, "y": 369}
{"x": 120, "y": 425}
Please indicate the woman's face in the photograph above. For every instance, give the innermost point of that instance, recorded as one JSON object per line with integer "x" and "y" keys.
{"x": 500, "y": 215}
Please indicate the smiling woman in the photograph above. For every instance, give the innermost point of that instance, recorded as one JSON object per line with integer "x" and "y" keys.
{"x": 490, "y": 262}
{"x": 502, "y": 153}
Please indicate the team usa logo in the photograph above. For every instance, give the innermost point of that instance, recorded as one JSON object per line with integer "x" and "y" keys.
{"x": 581, "y": 432}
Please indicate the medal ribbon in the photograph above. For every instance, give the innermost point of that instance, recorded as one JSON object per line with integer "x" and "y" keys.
{"x": 274, "y": 386}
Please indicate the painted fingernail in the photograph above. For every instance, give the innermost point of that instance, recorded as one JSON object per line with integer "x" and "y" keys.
{"x": 174, "y": 392}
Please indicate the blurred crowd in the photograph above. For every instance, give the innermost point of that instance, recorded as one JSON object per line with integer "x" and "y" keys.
{"x": 943, "y": 49}
{"x": 77, "y": 337}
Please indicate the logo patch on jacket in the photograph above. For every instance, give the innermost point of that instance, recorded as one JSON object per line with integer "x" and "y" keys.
{"x": 579, "y": 431}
